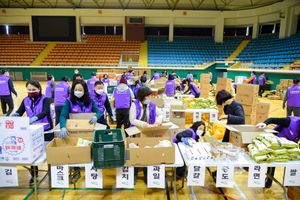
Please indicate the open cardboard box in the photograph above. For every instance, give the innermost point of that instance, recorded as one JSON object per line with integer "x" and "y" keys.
{"x": 242, "y": 135}
{"x": 158, "y": 101}
{"x": 149, "y": 156}
{"x": 148, "y": 132}
{"x": 64, "y": 151}
{"x": 178, "y": 105}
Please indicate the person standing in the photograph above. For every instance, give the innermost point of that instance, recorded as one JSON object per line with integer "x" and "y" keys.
{"x": 122, "y": 95}
{"x": 76, "y": 71}
{"x": 164, "y": 74}
{"x": 189, "y": 75}
{"x": 143, "y": 79}
{"x": 261, "y": 82}
{"x": 155, "y": 76}
{"x": 210, "y": 77}
{"x": 91, "y": 82}
{"x": 7, "y": 88}
{"x": 101, "y": 99}
{"x": 170, "y": 86}
{"x": 175, "y": 75}
{"x": 50, "y": 87}
{"x": 105, "y": 79}
{"x": 129, "y": 74}
{"x": 233, "y": 110}
{"x": 253, "y": 81}
{"x": 133, "y": 85}
{"x": 37, "y": 108}
{"x": 61, "y": 94}
{"x": 292, "y": 97}
{"x": 192, "y": 88}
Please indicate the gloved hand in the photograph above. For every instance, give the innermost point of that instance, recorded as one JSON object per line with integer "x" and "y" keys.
{"x": 63, "y": 133}
{"x": 15, "y": 115}
{"x": 185, "y": 141}
{"x": 260, "y": 125}
{"x": 111, "y": 120}
{"x": 93, "y": 120}
{"x": 32, "y": 119}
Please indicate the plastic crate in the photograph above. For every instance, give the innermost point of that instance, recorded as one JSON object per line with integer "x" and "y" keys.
{"x": 108, "y": 149}
{"x": 110, "y": 89}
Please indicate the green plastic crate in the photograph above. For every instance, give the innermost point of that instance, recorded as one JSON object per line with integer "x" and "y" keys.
{"x": 110, "y": 89}
{"x": 108, "y": 149}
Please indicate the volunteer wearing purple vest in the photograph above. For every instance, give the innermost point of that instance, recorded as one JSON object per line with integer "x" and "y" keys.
{"x": 292, "y": 97}
{"x": 181, "y": 86}
{"x": 288, "y": 128}
{"x": 261, "y": 82}
{"x": 129, "y": 74}
{"x": 133, "y": 85}
{"x": 91, "y": 82}
{"x": 7, "y": 88}
{"x": 253, "y": 81}
{"x": 195, "y": 131}
{"x": 61, "y": 93}
{"x": 105, "y": 79}
{"x": 50, "y": 87}
{"x": 79, "y": 102}
{"x": 170, "y": 86}
{"x": 101, "y": 99}
{"x": 192, "y": 88}
{"x": 155, "y": 76}
{"x": 122, "y": 95}
{"x": 144, "y": 113}
{"x": 37, "y": 108}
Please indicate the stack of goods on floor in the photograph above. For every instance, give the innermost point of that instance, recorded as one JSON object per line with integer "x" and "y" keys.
{"x": 204, "y": 85}
{"x": 281, "y": 89}
{"x": 224, "y": 84}
{"x": 266, "y": 148}
{"x": 262, "y": 112}
{"x": 247, "y": 95}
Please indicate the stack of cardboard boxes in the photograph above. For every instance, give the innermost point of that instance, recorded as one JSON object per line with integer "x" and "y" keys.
{"x": 262, "y": 112}
{"x": 204, "y": 85}
{"x": 247, "y": 95}
{"x": 281, "y": 89}
{"x": 224, "y": 84}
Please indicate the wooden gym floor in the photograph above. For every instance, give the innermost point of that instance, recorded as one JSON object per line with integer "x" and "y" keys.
{"x": 109, "y": 191}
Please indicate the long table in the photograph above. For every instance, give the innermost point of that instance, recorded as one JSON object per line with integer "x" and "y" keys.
{"x": 244, "y": 161}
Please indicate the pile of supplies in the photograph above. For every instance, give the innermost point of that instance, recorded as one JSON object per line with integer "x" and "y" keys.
{"x": 200, "y": 103}
{"x": 224, "y": 151}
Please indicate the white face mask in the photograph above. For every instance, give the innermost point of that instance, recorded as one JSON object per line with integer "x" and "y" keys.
{"x": 99, "y": 91}
{"x": 129, "y": 83}
{"x": 199, "y": 132}
{"x": 78, "y": 94}
{"x": 7, "y": 74}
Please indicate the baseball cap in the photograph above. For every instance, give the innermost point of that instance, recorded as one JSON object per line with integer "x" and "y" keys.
{"x": 4, "y": 70}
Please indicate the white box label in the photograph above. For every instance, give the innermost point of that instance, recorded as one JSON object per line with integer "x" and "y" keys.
{"x": 60, "y": 176}
{"x": 93, "y": 177}
{"x": 9, "y": 176}
{"x": 125, "y": 177}
{"x": 256, "y": 175}
{"x": 156, "y": 176}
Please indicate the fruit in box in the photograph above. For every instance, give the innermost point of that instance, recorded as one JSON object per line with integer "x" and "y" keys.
{"x": 219, "y": 130}
{"x": 200, "y": 103}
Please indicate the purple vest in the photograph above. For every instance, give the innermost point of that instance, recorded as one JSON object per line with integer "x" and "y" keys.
{"x": 91, "y": 83}
{"x": 137, "y": 86}
{"x": 99, "y": 100}
{"x": 4, "y": 85}
{"x": 261, "y": 80}
{"x": 48, "y": 89}
{"x": 61, "y": 93}
{"x": 122, "y": 99}
{"x": 38, "y": 108}
{"x": 182, "y": 87}
{"x": 292, "y": 131}
{"x": 194, "y": 136}
{"x": 129, "y": 75}
{"x": 156, "y": 76}
{"x": 107, "y": 81}
{"x": 118, "y": 81}
{"x": 152, "y": 111}
{"x": 194, "y": 89}
{"x": 170, "y": 87}
{"x": 253, "y": 80}
{"x": 75, "y": 108}
{"x": 293, "y": 94}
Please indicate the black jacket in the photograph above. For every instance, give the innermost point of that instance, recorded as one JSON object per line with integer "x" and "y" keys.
{"x": 185, "y": 134}
{"x": 235, "y": 113}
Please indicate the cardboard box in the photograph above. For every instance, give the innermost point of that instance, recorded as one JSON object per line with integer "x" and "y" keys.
{"x": 250, "y": 119}
{"x": 223, "y": 84}
{"x": 148, "y": 132}
{"x": 178, "y": 118}
{"x": 174, "y": 132}
{"x": 204, "y": 76}
{"x": 63, "y": 151}
{"x": 149, "y": 156}
{"x": 242, "y": 135}
{"x": 159, "y": 84}
{"x": 247, "y": 90}
{"x": 247, "y": 100}
{"x": 263, "y": 108}
{"x": 293, "y": 192}
{"x": 178, "y": 105}
{"x": 250, "y": 109}
{"x": 158, "y": 101}
{"x": 19, "y": 141}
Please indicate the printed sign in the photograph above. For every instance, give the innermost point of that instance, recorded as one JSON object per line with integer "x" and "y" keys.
{"x": 256, "y": 175}
{"x": 196, "y": 175}
{"x": 292, "y": 175}
{"x": 93, "y": 177}
{"x": 213, "y": 117}
{"x": 166, "y": 115}
{"x": 225, "y": 174}
{"x": 60, "y": 176}
{"x": 9, "y": 176}
{"x": 125, "y": 177}
{"x": 156, "y": 176}
{"x": 196, "y": 116}
{"x": 13, "y": 125}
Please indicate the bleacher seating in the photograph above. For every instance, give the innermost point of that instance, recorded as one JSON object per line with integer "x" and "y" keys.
{"x": 269, "y": 50}
{"x": 97, "y": 51}
{"x": 185, "y": 51}
{"x": 15, "y": 51}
